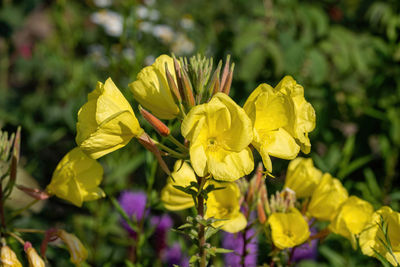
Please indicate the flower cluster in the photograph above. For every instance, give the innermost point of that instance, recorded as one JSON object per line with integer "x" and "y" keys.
{"x": 325, "y": 199}
{"x": 215, "y": 149}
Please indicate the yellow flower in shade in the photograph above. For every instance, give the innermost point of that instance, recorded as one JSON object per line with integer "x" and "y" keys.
{"x": 175, "y": 199}
{"x": 219, "y": 133}
{"x": 224, "y": 204}
{"x": 33, "y": 257}
{"x": 372, "y": 236}
{"x": 302, "y": 177}
{"x": 106, "y": 122}
{"x": 76, "y": 178}
{"x": 8, "y": 258}
{"x": 288, "y": 229}
{"x": 75, "y": 247}
{"x": 327, "y": 198}
{"x": 304, "y": 114}
{"x": 350, "y": 220}
{"x": 151, "y": 89}
{"x": 271, "y": 113}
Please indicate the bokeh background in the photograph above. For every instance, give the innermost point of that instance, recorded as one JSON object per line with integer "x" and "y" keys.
{"x": 346, "y": 54}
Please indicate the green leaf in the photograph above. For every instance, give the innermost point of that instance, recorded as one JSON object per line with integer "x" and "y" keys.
{"x": 223, "y": 250}
{"x": 211, "y": 231}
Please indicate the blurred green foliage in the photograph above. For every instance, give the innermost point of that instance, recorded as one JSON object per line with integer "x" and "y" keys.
{"x": 346, "y": 54}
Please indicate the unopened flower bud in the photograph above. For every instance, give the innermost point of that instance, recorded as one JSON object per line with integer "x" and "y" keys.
{"x": 33, "y": 257}
{"x": 8, "y": 258}
{"x": 158, "y": 125}
{"x": 261, "y": 212}
{"x": 75, "y": 247}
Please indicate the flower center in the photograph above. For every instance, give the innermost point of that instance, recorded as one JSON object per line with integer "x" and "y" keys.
{"x": 212, "y": 144}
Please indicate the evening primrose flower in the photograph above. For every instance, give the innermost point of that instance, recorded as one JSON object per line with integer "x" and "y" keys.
{"x": 351, "y": 218}
{"x": 327, "y": 198}
{"x": 106, "y": 122}
{"x": 372, "y": 237}
{"x": 219, "y": 133}
{"x": 288, "y": 229}
{"x": 8, "y": 257}
{"x": 271, "y": 112}
{"x": 76, "y": 178}
{"x": 75, "y": 247}
{"x": 173, "y": 198}
{"x": 302, "y": 177}
{"x": 151, "y": 89}
{"x": 304, "y": 114}
{"x": 224, "y": 204}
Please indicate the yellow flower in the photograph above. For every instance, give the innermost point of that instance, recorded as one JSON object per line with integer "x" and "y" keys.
{"x": 302, "y": 177}
{"x": 351, "y": 218}
{"x": 224, "y": 204}
{"x": 219, "y": 133}
{"x": 33, "y": 258}
{"x": 304, "y": 114}
{"x": 106, "y": 122}
{"x": 8, "y": 258}
{"x": 327, "y": 198}
{"x": 175, "y": 199}
{"x": 288, "y": 229}
{"x": 372, "y": 236}
{"x": 76, "y": 178}
{"x": 271, "y": 111}
{"x": 75, "y": 247}
{"x": 151, "y": 89}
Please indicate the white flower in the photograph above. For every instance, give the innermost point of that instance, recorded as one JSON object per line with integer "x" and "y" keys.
{"x": 164, "y": 32}
{"x": 142, "y": 12}
{"x": 146, "y": 27}
{"x": 111, "y": 21}
{"x": 187, "y": 22}
{"x": 154, "y": 15}
{"x": 103, "y": 3}
{"x": 182, "y": 45}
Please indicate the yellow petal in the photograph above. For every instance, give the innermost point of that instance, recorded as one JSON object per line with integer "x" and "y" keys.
{"x": 352, "y": 217}
{"x": 327, "y": 198}
{"x": 9, "y": 258}
{"x": 279, "y": 144}
{"x": 151, "y": 89}
{"x": 173, "y": 198}
{"x": 219, "y": 133}
{"x": 302, "y": 177}
{"x": 224, "y": 204}
{"x": 228, "y": 166}
{"x": 106, "y": 122}
{"x": 288, "y": 229}
{"x": 371, "y": 237}
{"x": 304, "y": 118}
{"x": 76, "y": 178}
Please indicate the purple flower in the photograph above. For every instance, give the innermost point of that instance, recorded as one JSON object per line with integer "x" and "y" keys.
{"x": 134, "y": 204}
{"x": 235, "y": 243}
{"x": 173, "y": 255}
{"x": 307, "y": 251}
{"x": 162, "y": 225}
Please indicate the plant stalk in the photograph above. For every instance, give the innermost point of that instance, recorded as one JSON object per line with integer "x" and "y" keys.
{"x": 200, "y": 212}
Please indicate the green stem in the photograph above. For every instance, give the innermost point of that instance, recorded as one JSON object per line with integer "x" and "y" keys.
{"x": 2, "y": 218}
{"x": 170, "y": 151}
{"x": 200, "y": 212}
{"x": 22, "y": 230}
{"x": 182, "y": 109}
{"x": 177, "y": 143}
